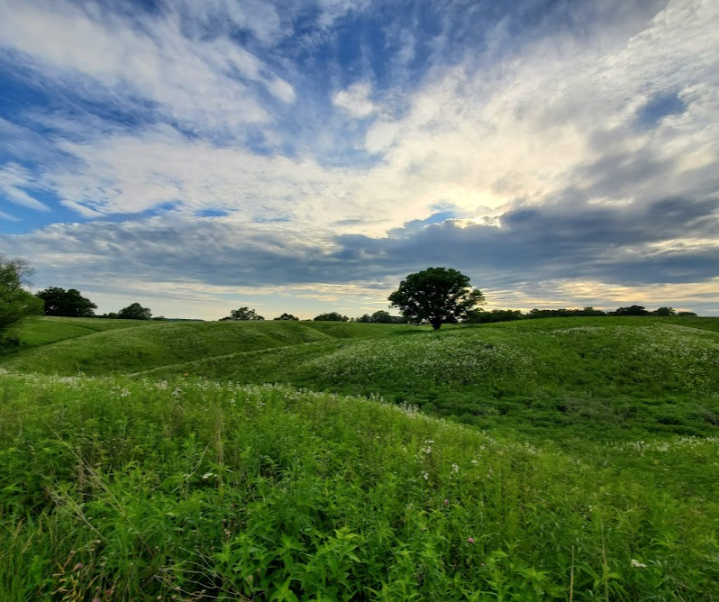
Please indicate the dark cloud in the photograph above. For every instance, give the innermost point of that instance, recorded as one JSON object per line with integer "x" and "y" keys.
{"x": 620, "y": 245}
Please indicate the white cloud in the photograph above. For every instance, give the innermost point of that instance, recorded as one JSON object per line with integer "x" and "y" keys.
{"x": 527, "y": 129}
{"x": 356, "y": 100}
{"x": 13, "y": 178}
{"x": 107, "y": 56}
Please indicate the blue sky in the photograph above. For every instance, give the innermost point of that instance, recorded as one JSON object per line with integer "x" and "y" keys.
{"x": 305, "y": 156}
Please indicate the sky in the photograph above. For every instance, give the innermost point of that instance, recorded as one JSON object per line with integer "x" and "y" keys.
{"x": 304, "y": 156}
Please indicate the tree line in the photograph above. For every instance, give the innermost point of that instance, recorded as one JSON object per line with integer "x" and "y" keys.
{"x": 433, "y": 296}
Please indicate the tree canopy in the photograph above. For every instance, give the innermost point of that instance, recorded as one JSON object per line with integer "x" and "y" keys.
{"x": 380, "y": 317}
{"x": 632, "y": 310}
{"x": 243, "y": 314}
{"x": 436, "y": 296}
{"x": 332, "y": 316}
{"x": 289, "y": 317}
{"x": 68, "y": 303}
{"x": 15, "y": 302}
{"x": 135, "y": 311}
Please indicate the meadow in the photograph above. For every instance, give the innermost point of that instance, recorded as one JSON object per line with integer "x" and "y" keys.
{"x": 557, "y": 459}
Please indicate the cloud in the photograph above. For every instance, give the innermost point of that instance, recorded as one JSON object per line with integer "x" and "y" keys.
{"x": 621, "y": 245}
{"x": 103, "y": 56}
{"x": 555, "y": 142}
{"x": 356, "y": 100}
{"x": 13, "y": 178}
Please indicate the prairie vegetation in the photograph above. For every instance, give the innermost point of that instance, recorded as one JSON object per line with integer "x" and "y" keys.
{"x": 281, "y": 460}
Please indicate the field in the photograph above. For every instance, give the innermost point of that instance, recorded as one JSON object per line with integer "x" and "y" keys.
{"x": 558, "y": 459}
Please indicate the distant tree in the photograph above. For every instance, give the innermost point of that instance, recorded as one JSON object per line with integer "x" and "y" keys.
{"x": 15, "y": 302}
{"x": 479, "y": 316}
{"x": 331, "y": 317}
{"x": 437, "y": 296}
{"x": 687, "y": 314}
{"x": 382, "y": 317}
{"x": 590, "y": 311}
{"x": 244, "y": 314}
{"x": 110, "y": 316}
{"x": 289, "y": 317}
{"x": 68, "y": 303}
{"x": 134, "y": 311}
{"x": 363, "y": 319}
{"x": 664, "y": 311}
{"x": 632, "y": 310}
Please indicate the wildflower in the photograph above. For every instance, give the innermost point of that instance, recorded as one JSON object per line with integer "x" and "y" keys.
{"x": 470, "y": 540}
{"x": 78, "y": 566}
{"x": 426, "y": 476}
{"x": 446, "y": 502}
{"x": 207, "y": 475}
{"x": 638, "y": 565}
{"x": 455, "y": 468}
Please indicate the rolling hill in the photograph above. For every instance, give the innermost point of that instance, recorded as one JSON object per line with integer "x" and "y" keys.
{"x": 305, "y": 461}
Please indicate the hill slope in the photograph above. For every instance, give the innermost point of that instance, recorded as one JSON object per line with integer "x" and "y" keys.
{"x": 116, "y": 490}
{"x": 35, "y": 332}
{"x": 153, "y": 344}
{"x": 651, "y": 377}
{"x": 558, "y": 378}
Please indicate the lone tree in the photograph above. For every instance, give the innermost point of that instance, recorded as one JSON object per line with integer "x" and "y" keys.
{"x": 134, "y": 312}
{"x": 244, "y": 314}
{"x": 436, "y": 296}
{"x": 68, "y": 303}
{"x": 15, "y": 302}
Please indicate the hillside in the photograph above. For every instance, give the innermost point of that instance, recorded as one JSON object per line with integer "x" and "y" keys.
{"x": 45, "y": 330}
{"x": 597, "y": 379}
{"x": 145, "y": 345}
{"x": 113, "y": 489}
{"x": 230, "y": 461}
{"x": 555, "y": 378}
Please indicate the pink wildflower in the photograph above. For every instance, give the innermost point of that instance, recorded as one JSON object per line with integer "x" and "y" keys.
{"x": 470, "y": 540}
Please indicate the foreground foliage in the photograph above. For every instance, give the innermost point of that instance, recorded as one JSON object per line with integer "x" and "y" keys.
{"x": 197, "y": 490}
{"x": 15, "y": 302}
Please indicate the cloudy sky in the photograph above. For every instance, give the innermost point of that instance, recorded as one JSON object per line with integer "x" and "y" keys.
{"x": 304, "y": 156}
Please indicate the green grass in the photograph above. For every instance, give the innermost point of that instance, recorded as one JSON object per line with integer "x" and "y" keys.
{"x": 34, "y": 332}
{"x": 153, "y": 344}
{"x": 200, "y": 490}
{"x": 572, "y": 380}
{"x": 305, "y": 461}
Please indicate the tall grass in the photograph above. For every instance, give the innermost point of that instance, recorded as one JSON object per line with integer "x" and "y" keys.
{"x": 114, "y": 489}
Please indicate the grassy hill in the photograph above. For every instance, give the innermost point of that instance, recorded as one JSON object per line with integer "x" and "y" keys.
{"x": 142, "y": 345}
{"x": 117, "y": 489}
{"x": 47, "y": 329}
{"x": 191, "y": 465}
{"x": 610, "y": 375}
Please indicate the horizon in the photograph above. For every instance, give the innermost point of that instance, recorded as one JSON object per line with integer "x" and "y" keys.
{"x": 306, "y": 157}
